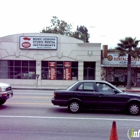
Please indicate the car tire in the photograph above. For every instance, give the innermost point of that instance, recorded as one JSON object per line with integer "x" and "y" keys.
{"x": 2, "y": 102}
{"x": 74, "y": 106}
{"x": 134, "y": 108}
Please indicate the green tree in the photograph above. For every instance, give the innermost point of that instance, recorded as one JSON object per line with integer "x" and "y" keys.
{"x": 63, "y": 28}
{"x": 81, "y": 33}
{"x": 130, "y": 47}
{"x": 58, "y": 26}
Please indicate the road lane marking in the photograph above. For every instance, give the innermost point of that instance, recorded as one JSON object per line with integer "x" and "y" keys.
{"x": 36, "y": 97}
{"x": 26, "y": 103}
{"x": 69, "y": 118}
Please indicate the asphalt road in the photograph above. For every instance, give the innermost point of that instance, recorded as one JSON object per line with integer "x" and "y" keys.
{"x": 30, "y": 115}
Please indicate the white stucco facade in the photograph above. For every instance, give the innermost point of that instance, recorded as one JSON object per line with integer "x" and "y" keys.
{"x": 68, "y": 49}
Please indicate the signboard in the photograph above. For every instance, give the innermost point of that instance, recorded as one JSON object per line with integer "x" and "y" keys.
{"x": 52, "y": 70}
{"x": 114, "y": 59}
{"x": 52, "y": 64}
{"x": 67, "y": 73}
{"x": 67, "y": 70}
{"x": 38, "y": 42}
{"x": 52, "y": 73}
{"x": 67, "y": 64}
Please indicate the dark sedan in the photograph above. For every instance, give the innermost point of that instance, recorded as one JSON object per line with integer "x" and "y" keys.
{"x": 98, "y": 95}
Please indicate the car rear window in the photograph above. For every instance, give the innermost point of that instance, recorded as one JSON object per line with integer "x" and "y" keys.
{"x": 86, "y": 87}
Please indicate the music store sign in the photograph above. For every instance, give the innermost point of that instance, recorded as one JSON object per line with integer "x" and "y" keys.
{"x": 38, "y": 42}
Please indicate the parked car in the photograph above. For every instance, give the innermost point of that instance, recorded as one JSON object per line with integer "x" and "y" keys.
{"x": 6, "y": 92}
{"x": 98, "y": 95}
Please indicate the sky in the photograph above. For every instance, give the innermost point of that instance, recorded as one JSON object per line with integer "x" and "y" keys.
{"x": 107, "y": 21}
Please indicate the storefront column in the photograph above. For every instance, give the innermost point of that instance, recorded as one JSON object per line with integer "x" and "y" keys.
{"x": 80, "y": 70}
{"x": 98, "y": 71}
{"x": 38, "y": 73}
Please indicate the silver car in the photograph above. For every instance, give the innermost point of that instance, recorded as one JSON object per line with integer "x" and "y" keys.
{"x": 6, "y": 92}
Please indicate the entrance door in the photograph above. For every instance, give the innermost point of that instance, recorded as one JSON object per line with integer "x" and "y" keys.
{"x": 89, "y": 71}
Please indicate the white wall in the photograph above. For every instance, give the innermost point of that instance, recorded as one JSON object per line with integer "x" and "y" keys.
{"x": 69, "y": 49}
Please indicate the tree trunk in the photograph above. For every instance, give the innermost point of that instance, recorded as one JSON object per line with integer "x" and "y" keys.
{"x": 128, "y": 86}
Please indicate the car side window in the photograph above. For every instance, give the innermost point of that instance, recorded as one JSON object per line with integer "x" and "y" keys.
{"x": 103, "y": 87}
{"x": 86, "y": 87}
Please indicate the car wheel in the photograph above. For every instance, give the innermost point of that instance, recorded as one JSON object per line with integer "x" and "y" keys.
{"x": 74, "y": 106}
{"x": 2, "y": 102}
{"x": 134, "y": 108}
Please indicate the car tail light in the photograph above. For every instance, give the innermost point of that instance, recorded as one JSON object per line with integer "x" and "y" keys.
{"x": 54, "y": 95}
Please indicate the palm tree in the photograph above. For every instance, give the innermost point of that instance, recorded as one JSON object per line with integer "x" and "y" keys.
{"x": 130, "y": 47}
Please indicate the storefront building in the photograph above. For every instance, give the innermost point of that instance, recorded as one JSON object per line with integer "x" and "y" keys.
{"x": 114, "y": 68}
{"x": 48, "y": 60}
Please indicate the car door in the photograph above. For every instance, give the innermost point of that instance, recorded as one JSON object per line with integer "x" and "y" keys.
{"x": 108, "y": 99}
{"x": 87, "y": 94}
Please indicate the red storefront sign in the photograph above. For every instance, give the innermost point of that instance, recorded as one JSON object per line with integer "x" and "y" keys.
{"x": 67, "y": 70}
{"x": 67, "y": 73}
{"x": 67, "y": 64}
{"x": 52, "y": 64}
{"x": 52, "y": 70}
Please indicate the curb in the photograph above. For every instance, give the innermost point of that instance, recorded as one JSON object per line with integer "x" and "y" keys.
{"x": 21, "y": 88}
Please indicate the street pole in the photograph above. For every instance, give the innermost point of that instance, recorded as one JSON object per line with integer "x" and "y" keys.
{"x": 37, "y": 76}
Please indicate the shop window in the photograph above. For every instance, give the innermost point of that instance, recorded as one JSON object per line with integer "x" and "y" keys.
{"x": 121, "y": 76}
{"x": 18, "y": 73}
{"x": 74, "y": 70}
{"x": 59, "y": 70}
{"x": 44, "y": 70}
{"x": 16, "y": 69}
{"x": 32, "y": 63}
{"x": 17, "y": 63}
{"x": 44, "y": 73}
{"x": 25, "y": 63}
{"x": 59, "y": 74}
{"x": 10, "y": 63}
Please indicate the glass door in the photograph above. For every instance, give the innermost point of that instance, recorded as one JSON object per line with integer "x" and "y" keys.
{"x": 89, "y": 71}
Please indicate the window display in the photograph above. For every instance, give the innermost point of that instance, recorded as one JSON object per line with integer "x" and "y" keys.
{"x": 59, "y": 70}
